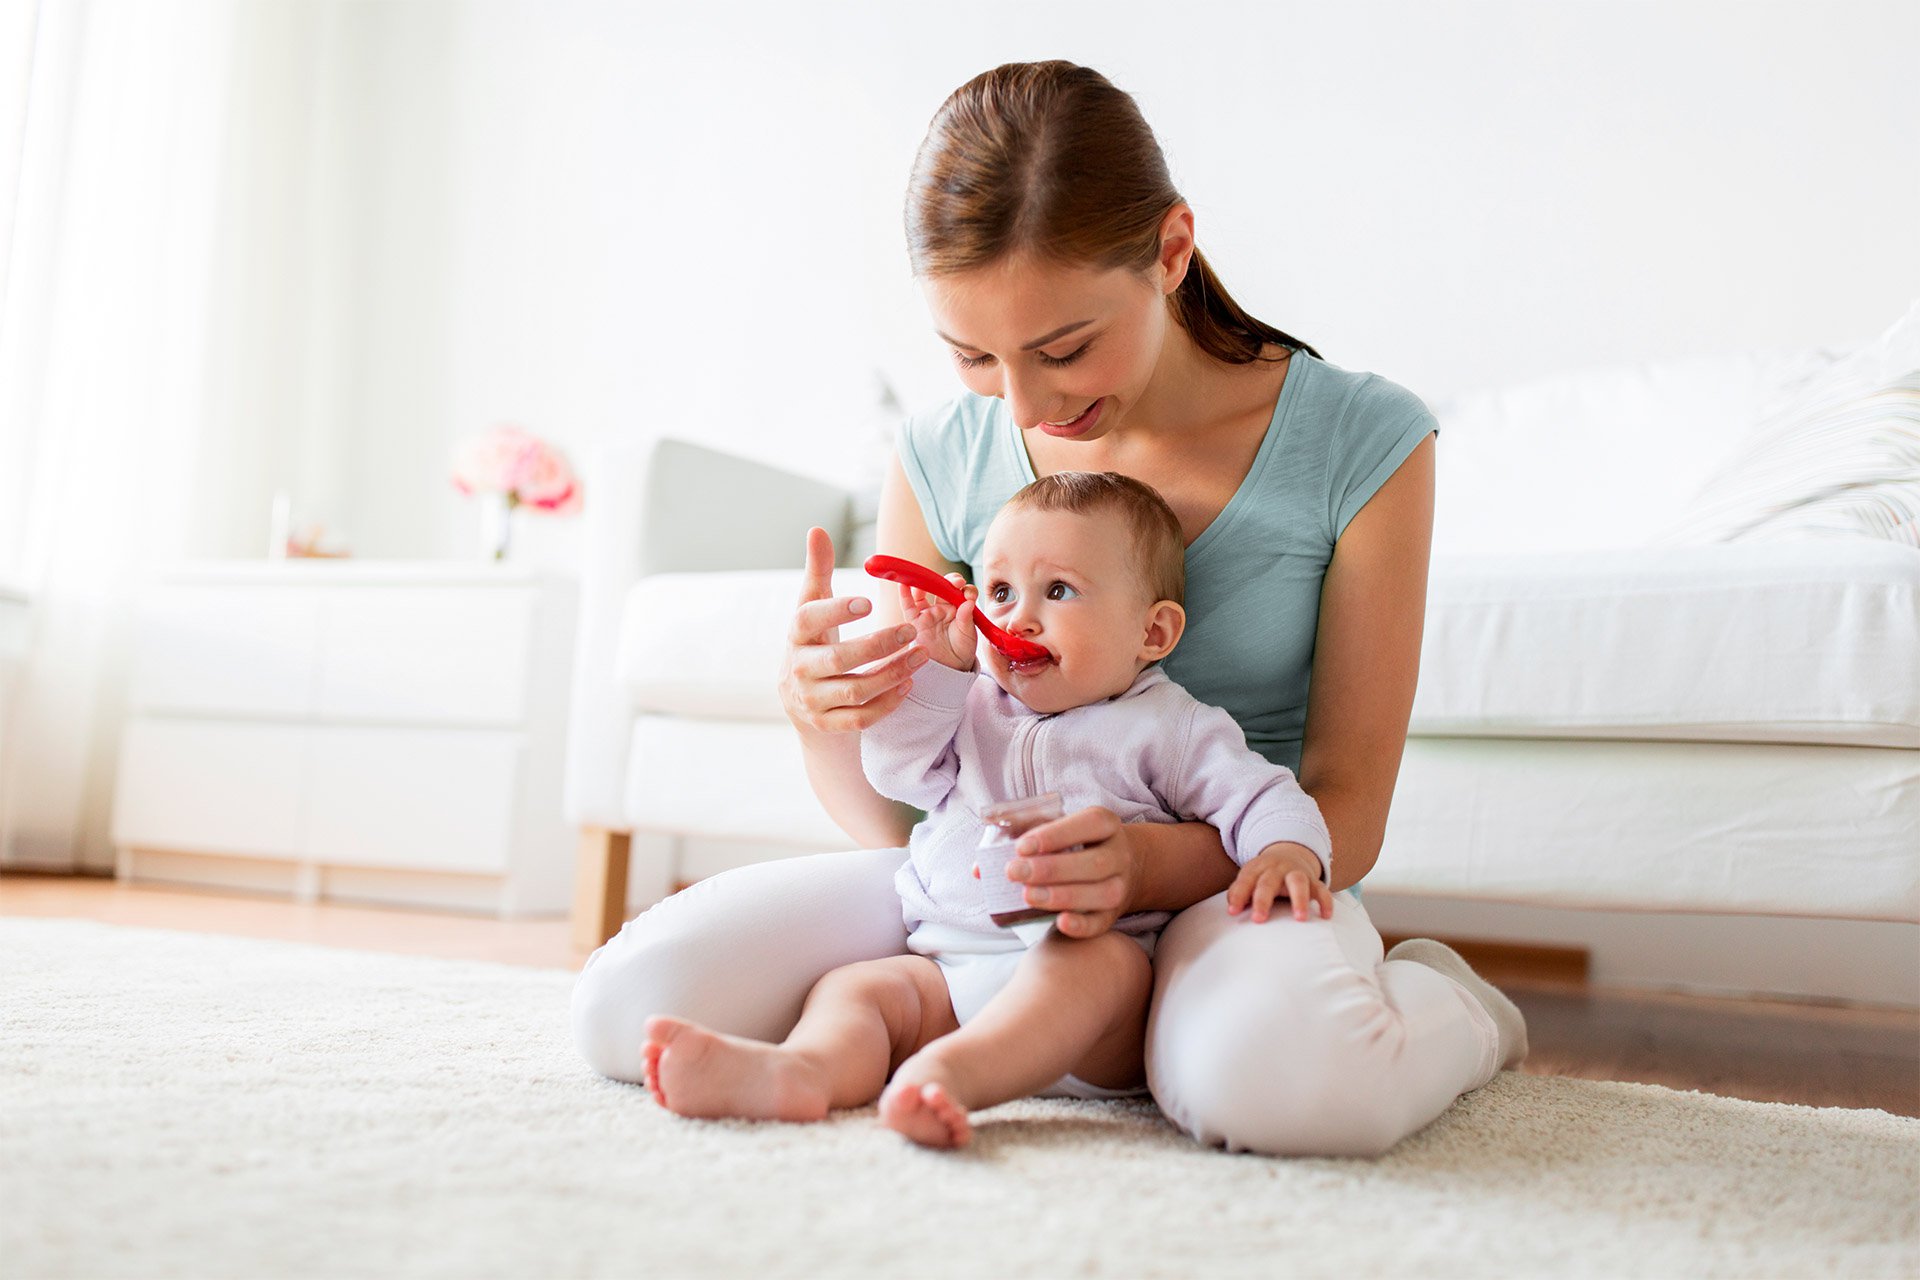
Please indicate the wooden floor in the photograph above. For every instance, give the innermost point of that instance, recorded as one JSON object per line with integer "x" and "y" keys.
{"x": 1826, "y": 1055}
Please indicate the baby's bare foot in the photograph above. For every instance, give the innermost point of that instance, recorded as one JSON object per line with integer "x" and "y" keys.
{"x": 926, "y": 1112}
{"x": 692, "y": 1071}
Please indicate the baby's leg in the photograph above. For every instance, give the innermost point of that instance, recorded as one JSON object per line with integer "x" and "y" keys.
{"x": 1074, "y": 1006}
{"x": 858, "y": 1023}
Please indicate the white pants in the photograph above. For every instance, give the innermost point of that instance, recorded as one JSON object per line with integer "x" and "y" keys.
{"x": 1288, "y": 1037}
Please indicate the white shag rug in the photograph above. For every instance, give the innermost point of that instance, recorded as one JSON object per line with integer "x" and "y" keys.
{"x": 176, "y": 1104}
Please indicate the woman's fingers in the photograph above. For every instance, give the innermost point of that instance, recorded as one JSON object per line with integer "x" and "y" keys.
{"x": 1071, "y": 866}
{"x": 823, "y": 661}
{"x": 1088, "y": 826}
{"x": 1095, "y": 895}
{"x": 817, "y": 582}
{"x": 833, "y": 692}
{"x": 1085, "y": 924}
{"x": 1060, "y": 877}
{"x": 849, "y": 719}
{"x": 818, "y": 621}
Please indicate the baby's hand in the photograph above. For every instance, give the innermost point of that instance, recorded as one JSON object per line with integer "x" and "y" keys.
{"x": 944, "y": 630}
{"x": 1283, "y": 870}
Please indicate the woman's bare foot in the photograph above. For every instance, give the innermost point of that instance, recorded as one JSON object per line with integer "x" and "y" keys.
{"x": 926, "y": 1111}
{"x": 692, "y": 1071}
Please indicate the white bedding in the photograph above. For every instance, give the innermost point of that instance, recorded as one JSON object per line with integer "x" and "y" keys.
{"x": 1743, "y": 828}
{"x": 1808, "y": 642}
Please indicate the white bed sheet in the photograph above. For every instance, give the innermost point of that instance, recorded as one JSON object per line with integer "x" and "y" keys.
{"x": 1810, "y": 642}
{"x": 1745, "y": 828}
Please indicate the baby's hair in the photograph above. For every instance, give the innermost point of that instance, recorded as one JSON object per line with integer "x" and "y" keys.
{"x": 1158, "y": 542}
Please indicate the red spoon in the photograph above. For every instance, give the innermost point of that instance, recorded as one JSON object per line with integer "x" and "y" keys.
{"x": 907, "y": 573}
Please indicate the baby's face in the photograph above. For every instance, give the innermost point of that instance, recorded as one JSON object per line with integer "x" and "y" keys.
{"x": 1068, "y": 582}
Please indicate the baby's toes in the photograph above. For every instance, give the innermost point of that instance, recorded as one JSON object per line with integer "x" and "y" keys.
{"x": 950, "y": 1112}
{"x": 926, "y": 1114}
{"x": 652, "y": 1054}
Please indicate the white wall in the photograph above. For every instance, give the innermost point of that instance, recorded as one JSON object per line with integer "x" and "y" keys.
{"x": 625, "y": 218}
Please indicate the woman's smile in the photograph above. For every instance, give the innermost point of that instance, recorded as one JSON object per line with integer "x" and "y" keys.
{"x": 1075, "y": 426}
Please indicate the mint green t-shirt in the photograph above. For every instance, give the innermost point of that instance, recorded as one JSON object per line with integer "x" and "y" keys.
{"x": 1254, "y": 574}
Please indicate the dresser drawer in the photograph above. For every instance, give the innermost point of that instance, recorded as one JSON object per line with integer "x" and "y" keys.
{"x": 210, "y": 788}
{"x": 422, "y": 799}
{"x": 425, "y": 655}
{"x": 222, "y": 650}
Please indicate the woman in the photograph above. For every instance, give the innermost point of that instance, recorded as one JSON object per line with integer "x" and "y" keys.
{"x": 1059, "y": 262}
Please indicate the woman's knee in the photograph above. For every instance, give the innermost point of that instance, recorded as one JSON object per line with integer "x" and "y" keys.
{"x": 651, "y": 967}
{"x": 1260, "y": 1083}
{"x": 1265, "y": 1041}
{"x": 608, "y": 1026}
{"x": 737, "y": 952}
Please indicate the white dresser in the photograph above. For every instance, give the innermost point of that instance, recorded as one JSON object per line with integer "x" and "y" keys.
{"x": 389, "y": 732}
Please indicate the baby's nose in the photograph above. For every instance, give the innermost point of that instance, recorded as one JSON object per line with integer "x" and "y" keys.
{"x": 1024, "y": 621}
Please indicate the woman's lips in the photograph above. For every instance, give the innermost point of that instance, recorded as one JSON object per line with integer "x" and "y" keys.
{"x": 1088, "y": 416}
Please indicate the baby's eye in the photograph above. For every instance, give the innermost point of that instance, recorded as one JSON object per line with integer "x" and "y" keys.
{"x": 998, "y": 593}
{"x": 1061, "y": 591}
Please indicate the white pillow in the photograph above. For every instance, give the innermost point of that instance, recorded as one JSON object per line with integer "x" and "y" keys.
{"x": 1601, "y": 457}
{"x": 1838, "y": 456}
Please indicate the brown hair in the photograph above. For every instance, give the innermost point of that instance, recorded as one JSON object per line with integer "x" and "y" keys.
{"x": 1159, "y": 546}
{"x": 1050, "y": 159}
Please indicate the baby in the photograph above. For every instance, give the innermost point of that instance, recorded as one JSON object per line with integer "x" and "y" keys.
{"x": 1090, "y": 566}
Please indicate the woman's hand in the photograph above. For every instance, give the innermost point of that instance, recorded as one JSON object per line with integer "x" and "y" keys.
{"x": 944, "y": 630}
{"x": 1283, "y": 870}
{"x": 1090, "y": 885}
{"x": 818, "y": 686}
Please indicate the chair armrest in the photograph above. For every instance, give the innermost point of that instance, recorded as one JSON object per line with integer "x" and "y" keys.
{"x": 661, "y": 506}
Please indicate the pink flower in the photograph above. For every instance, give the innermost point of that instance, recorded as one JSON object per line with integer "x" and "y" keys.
{"x": 512, "y": 461}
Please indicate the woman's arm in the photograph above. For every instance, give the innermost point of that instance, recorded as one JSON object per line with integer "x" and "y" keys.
{"x": 1366, "y": 661}
{"x": 833, "y": 770}
{"x": 1119, "y": 867}
{"x": 1177, "y": 864}
{"x": 832, "y": 751}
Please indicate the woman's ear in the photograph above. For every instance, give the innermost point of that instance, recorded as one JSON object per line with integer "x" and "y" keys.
{"x": 1176, "y": 247}
{"x": 1166, "y": 622}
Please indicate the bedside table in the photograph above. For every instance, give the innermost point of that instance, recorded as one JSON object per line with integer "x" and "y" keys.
{"x": 390, "y": 732}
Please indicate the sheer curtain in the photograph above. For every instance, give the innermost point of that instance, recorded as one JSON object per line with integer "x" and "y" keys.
{"x": 105, "y": 381}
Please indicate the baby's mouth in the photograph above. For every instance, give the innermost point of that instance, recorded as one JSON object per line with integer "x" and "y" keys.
{"x": 1031, "y": 667}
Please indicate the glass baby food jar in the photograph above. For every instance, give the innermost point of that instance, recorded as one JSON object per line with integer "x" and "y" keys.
{"x": 1006, "y": 899}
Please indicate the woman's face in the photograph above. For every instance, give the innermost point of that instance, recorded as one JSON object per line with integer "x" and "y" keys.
{"x": 1053, "y": 341}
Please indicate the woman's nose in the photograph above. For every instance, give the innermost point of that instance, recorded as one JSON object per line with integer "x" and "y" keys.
{"x": 1029, "y": 404}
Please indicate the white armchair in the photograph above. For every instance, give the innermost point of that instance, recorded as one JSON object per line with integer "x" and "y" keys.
{"x": 1601, "y": 722}
{"x": 675, "y": 725}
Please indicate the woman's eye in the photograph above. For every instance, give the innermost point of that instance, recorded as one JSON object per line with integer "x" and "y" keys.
{"x": 974, "y": 362}
{"x": 1060, "y": 591}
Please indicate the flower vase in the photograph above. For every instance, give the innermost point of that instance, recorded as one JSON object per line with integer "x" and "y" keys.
{"x": 496, "y": 526}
